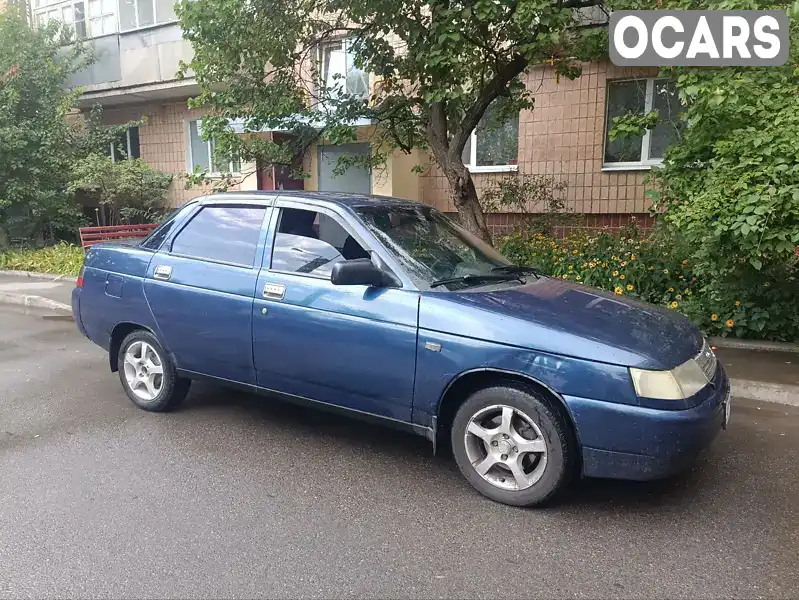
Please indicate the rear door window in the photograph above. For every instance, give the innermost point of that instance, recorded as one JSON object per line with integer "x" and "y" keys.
{"x": 227, "y": 234}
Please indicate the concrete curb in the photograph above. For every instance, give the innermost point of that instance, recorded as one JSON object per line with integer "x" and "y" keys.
{"x": 765, "y": 392}
{"x": 721, "y": 342}
{"x": 35, "y": 302}
{"x": 32, "y": 275}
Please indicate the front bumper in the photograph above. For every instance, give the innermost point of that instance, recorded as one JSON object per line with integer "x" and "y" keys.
{"x": 632, "y": 442}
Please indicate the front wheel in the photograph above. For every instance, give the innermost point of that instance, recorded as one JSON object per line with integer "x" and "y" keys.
{"x": 512, "y": 446}
{"x": 148, "y": 375}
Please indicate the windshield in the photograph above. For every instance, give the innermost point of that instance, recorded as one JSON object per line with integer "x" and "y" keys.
{"x": 431, "y": 247}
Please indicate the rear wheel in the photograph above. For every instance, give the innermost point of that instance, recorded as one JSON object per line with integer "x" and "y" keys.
{"x": 512, "y": 446}
{"x": 148, "y": 375}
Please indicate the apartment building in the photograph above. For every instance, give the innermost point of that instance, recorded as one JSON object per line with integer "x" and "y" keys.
{"x": 139, "y": 46}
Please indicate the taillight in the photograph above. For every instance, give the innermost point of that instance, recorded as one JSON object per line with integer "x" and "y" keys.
{"x": 79, "y": 282}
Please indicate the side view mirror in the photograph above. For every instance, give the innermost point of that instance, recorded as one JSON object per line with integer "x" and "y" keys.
{"x": 360, "y": 271}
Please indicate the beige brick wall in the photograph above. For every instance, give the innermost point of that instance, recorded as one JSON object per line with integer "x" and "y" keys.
{"x": 563, "y": 137}
{"x": 164, "y": 141}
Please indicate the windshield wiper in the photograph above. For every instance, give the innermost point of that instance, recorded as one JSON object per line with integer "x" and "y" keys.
{"x": 471, "y": 279}
{"x": 517, "y": 270}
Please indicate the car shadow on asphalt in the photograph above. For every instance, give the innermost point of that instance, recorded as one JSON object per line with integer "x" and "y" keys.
{"x": 350, "y": 434}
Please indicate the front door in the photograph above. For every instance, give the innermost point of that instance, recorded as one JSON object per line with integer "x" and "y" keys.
{"x": 357, "y": 179}
{"x": 351, "y": 346}
{"x": 200, "y": 288}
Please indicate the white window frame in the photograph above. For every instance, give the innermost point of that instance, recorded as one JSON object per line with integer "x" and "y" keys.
{"x": 102, "y": 16}
{"x": 475, "y": 168}
{"x": 127, "y": 148}
{"x": 155, "y": 23}
{"x": 46, "y": 6}
{"x": 209, "y": 144}
{"x": 323, "y": 49}
{"x": 645, "y": 163}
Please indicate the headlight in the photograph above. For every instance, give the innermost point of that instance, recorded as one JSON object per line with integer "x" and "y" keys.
{"x": 681, "y": 382}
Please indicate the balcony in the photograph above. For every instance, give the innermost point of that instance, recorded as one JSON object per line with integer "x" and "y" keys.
{"x": 136, "y": 66}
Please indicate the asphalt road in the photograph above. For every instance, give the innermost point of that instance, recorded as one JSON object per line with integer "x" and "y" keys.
{"x": 241, "y": 496}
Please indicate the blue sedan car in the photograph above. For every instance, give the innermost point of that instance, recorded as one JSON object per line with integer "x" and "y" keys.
{"x": 389, "y": 311}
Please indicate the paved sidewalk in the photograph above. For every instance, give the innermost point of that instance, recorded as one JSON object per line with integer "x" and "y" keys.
{"x": 35, "y": 292}
{"x": 763, "y": 375}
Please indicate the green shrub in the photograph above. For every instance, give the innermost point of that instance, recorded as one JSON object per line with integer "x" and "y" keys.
{"x": 657, "y": 269}
{"x": 131, "y": 191}
{"x": 62, "y": 259}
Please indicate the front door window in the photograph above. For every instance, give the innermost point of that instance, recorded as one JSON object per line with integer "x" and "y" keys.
{"x": 311, "y": 242}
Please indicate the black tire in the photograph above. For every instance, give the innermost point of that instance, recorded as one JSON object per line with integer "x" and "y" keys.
{"x": 561, "y": 450}
{"x": 173, "y": 389}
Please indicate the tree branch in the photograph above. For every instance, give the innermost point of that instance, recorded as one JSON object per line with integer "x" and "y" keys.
{"x": 490, "y": 92}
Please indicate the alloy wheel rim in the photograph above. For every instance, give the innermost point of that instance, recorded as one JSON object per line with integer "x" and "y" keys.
{"x": 506, "y": 447}
{"x": 144, "y": 371}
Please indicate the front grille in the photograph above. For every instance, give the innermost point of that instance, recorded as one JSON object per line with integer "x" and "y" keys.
{"x": 707, "y": 361}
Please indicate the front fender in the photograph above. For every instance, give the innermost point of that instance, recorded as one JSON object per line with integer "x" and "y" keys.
{"x": 443, "y": 358}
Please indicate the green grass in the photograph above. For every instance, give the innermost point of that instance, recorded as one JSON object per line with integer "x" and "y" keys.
{"x": 63, "y": 259}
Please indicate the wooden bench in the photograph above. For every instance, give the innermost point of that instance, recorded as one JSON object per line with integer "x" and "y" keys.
{"x": 92, "y": 235}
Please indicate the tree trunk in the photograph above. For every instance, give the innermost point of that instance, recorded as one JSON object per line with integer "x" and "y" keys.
{"x": 464, "y": 195}
{"x": 448, "y": 156}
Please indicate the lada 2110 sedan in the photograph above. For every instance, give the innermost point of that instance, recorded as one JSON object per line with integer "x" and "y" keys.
{"x": 387, "y": 309}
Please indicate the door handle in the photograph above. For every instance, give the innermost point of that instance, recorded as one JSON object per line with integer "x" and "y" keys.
{"x": 274, "y": 291}
{"x": 163, "y": 272}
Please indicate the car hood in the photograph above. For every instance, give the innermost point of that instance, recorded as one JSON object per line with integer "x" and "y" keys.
{"x": 558, "y": 317}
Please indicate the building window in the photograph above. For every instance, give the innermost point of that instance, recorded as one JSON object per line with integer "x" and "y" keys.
{"x": 339, "y": 72}
{"x": 493, "y": 146}
{"x": 202, "y": 153}
{"x": 102, "y": 17}
{"x": 641, "y": 96}
{"x": 134, "y": 14}
{"x": 125, "y": 145}
{"x": 71, "y": 13}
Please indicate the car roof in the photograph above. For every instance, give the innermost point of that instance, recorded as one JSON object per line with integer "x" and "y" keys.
{"x": 338, "y": 198}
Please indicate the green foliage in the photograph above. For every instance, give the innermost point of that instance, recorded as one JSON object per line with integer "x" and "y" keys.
{"x": 436, "y": 67}
{"x": 36, "y": 141}
{"x": 730, "y": 186}
{"x": 539, "y": 200}
{"x": 61, "y": 259}
{"x": 659, "y": 269}
{"x": 131, "y": 190}
{"x": 632, "y": 124}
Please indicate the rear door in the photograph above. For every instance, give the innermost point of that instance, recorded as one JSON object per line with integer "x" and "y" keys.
{"x": 351, "y": 346}
{"x": 200, "y": 288}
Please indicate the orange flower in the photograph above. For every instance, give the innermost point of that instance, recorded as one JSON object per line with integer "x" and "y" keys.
{"x": 737, "y": 303}
{"x": 618, "y": 291}
{"x": 673, "y": 305}
{"x": 629, "y": 287}
{"x": 730, "y": 322}
{"x": 621, "y": 276}
{"x": 714, "y": 317}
